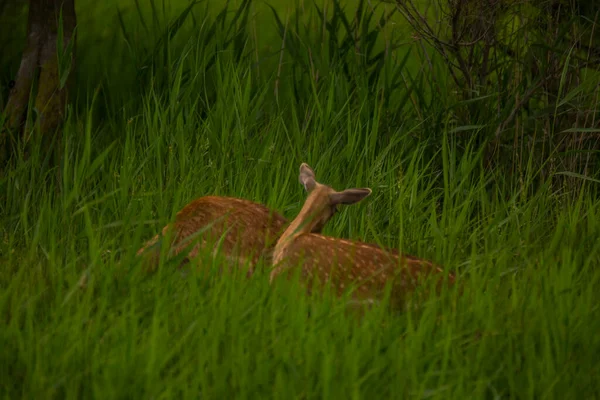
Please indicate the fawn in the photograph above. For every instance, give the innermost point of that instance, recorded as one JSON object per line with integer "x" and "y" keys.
{"x": 246, "y": 231}
{"x": 343, "y": 262}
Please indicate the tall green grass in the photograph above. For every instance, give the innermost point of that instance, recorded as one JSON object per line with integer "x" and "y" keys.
{"x": 190, "y": 112}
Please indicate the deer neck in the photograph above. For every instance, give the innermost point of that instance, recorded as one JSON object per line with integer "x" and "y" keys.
{"x": 305, "y": 222}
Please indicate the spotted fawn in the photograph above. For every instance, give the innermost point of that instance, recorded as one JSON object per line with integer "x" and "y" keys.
{"x": 343, "y": 263}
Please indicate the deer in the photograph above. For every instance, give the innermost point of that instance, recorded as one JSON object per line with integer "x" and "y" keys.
{"x": 342, "y": 263}
{"x": 241, "y": 230}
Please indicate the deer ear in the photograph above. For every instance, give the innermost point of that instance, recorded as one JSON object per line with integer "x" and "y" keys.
{"x": 307, "y": 177}
{"x": 349, "y": 196}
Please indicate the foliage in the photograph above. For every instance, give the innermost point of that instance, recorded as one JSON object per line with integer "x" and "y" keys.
{"x": 186, "y": 100}
{"x": 525, "y": 70}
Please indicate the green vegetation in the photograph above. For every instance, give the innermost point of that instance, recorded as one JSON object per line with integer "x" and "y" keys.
{"x": 177, "y": 103}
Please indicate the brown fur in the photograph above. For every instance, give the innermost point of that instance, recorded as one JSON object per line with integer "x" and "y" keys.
{"x": 249, "y": 230}
{"x": 344, "y": 262}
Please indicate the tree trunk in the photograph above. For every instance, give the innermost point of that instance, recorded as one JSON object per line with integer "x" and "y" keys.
{"x": 40, "y": 55}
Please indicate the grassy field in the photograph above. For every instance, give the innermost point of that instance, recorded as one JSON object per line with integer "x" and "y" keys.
{"x": 165, "y": 114}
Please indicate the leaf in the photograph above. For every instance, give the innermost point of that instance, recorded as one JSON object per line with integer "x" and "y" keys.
{"x": 99, "y": 160}
{"x": 580, "y": 176}
{"x": 581, "y": 130}
{"x": 467, "y": 128}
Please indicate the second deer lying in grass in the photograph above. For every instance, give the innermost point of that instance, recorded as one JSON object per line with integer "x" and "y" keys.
{"x": 343, "y": 262}
{"x": 241, "y": 229}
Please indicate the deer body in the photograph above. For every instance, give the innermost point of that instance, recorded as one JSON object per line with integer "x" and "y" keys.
{"x": 343, "y": 262}
{"x": 243, "y": 230}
